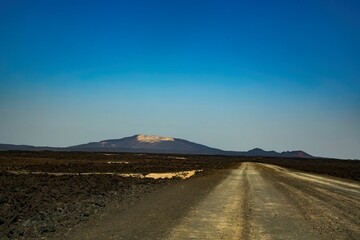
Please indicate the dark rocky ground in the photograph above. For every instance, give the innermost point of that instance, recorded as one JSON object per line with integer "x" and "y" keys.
{"x": 41, "y": 205}
{"x": 45, "y": 206}
{"x": 349, "y": 169}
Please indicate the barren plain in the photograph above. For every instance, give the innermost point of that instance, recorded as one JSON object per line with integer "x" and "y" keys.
{"x": 57, "y": 195}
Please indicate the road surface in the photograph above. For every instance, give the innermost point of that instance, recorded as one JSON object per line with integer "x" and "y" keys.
{"x": 253, "y": 201}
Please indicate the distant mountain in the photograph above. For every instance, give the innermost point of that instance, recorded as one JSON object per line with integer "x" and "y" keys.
{"x": 147, "y": 143}
{"x": 13, "y": 147}
{"x": 4, "y": 147}
{"x": 258, "y": 152}
{"x": 156, "y": 144}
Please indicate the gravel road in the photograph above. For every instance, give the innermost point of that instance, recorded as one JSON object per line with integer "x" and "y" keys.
{"x": 253, "y": 201}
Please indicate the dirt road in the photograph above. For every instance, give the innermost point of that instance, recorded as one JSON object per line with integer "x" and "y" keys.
{"x": 254, "y": 201}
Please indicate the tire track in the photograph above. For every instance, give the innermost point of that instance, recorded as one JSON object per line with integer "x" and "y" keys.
{"x": 219, "y": 215}
{"x": 246, "y": 206}
{"x": 273, "y": 214}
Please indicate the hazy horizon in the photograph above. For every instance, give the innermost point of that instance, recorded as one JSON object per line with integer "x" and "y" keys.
{"x": 231, "y": 75}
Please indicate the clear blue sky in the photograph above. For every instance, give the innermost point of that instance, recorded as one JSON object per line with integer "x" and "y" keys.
{"x": 279, "y": 75}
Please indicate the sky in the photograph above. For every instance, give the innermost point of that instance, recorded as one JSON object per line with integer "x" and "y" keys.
{"x": 235, "y": 75}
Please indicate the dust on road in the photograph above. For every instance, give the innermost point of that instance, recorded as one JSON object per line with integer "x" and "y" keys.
{"x": 254, "y": 201}
{"x": 218, "y": 216}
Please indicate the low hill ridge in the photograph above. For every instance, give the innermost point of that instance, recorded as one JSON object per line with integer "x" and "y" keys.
{"x": 156, "y": 144}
